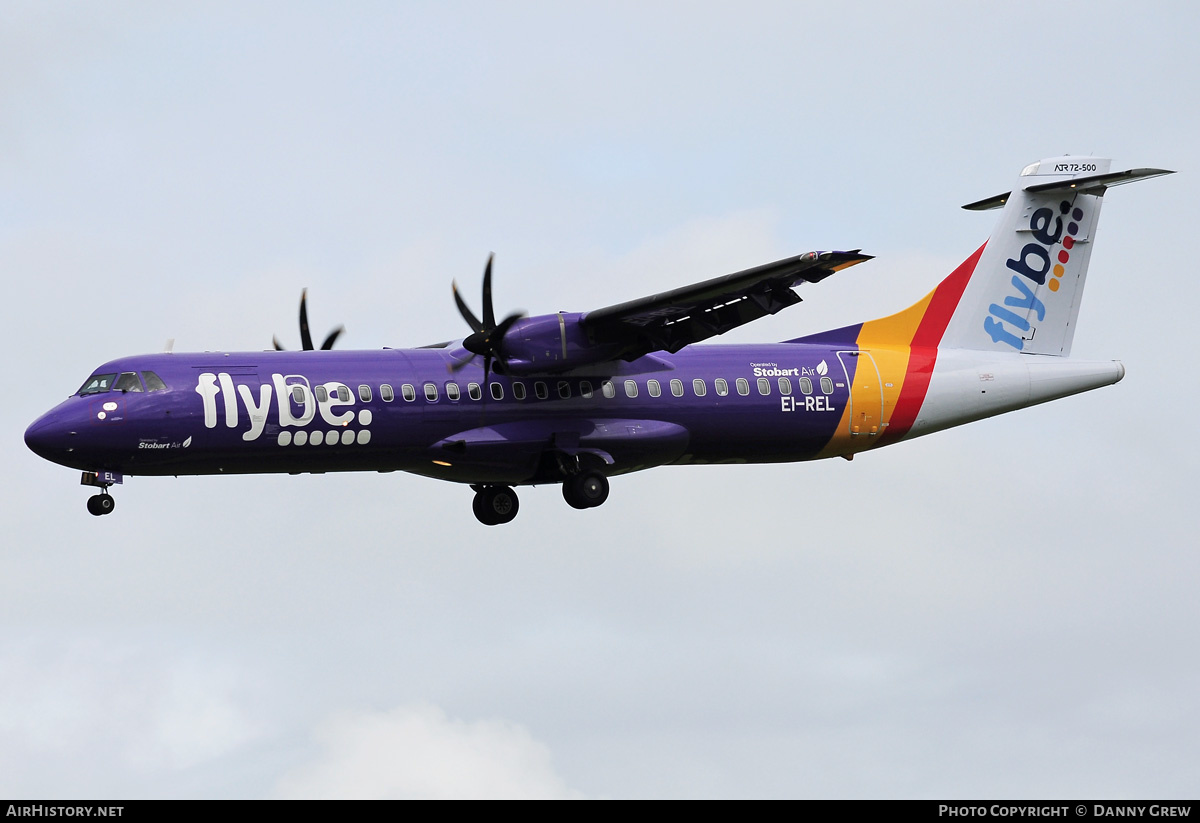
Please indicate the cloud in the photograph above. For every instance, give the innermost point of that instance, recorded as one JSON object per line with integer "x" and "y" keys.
{"x": 417, "y": 751}
{"x": 88, "y": 716}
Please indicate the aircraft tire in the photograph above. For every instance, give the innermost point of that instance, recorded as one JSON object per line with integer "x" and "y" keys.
{"x": 99, "y": 504}
{"x": 586, "y": 490}
{"x": 496, "y": 505}
{"x": 571, "y": 496}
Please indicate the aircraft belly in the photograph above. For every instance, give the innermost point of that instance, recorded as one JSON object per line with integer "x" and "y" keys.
{"x": 541, "y": 449}
{"x": 769, "y": 430}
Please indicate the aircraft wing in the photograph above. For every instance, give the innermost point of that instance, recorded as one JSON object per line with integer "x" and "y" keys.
{"x": 671, "y": 320}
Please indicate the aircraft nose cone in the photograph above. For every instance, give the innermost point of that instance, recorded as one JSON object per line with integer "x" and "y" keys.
{"x": 47, "y": 437}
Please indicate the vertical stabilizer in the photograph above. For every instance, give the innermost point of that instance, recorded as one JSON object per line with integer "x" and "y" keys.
{"x": 1025, "y": 291}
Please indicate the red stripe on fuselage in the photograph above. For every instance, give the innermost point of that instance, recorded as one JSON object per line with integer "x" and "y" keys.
{"x": 923, "y": 352}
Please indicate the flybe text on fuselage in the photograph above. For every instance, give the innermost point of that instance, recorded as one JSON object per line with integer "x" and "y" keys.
{"x": 1033, "y": 264}
{"x": 297, "y": 405}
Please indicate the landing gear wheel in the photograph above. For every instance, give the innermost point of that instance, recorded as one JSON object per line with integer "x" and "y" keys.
{"x": 494, "y": 505}
{"x": 586, "y": 490}
{"x": 99, "y": 504}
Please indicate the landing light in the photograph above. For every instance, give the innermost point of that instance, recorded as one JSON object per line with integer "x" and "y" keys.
{"x": 440, "y": 463}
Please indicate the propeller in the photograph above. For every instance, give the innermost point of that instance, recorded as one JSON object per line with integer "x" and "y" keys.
{"x": 305, "y": 338}
{"x": 487, "y": 336}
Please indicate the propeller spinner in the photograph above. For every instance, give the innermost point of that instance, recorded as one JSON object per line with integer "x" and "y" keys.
{"x": 487, "y": 336}
{"x": 305, "y": 338}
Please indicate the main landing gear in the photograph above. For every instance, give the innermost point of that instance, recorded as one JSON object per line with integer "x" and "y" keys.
{"x": 494, "y": 505}
{"x": 585, "y": 490}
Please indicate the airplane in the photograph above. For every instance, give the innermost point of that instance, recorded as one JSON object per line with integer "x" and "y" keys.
{"x": 575, "y": 398}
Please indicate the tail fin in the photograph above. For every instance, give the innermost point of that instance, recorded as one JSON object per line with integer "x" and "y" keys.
{"x": 1020, "y": 290}
{"x": 1023, "y": 294}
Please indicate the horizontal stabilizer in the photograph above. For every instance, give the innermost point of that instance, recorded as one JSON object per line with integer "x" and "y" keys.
{"x": 1096, "y": 183}
{"x": 1092, "y": 184}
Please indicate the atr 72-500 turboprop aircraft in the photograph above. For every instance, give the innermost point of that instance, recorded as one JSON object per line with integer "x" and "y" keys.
{"x": 575, "y": 398}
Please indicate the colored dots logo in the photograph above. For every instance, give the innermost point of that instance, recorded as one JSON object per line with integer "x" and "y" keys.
{"x": 1068, "y": 242}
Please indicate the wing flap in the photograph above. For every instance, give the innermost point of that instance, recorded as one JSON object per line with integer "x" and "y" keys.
{"x": 674, "y": 319}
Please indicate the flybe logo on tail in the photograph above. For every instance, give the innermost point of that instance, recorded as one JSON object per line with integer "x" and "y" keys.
{"x": 1034, "y": 263}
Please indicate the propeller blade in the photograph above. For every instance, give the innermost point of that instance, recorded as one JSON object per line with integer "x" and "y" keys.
{"x": 505, "y": 325}
{"x": 486, "y": 337}
{"x": 465, "y": 311}
{"x": 305, "y": 337}
{"x": 459, "y": 365}
{"x": 489, "y": 316}
{"x": 306, "y": 343}
{"x": 333, "y": 335}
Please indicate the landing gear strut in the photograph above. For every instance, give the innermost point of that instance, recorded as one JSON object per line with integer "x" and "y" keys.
{"x": 494, "y": 505}
{"x": 585, "y": 490}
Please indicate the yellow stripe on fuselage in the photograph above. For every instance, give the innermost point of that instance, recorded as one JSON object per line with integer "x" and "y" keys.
{"x": 888, "y": 340}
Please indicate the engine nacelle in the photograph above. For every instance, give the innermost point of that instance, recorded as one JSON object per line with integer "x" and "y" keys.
{"x": 552, "y": 343}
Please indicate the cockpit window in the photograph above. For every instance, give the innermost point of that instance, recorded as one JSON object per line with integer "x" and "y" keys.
{"x": 97, "y": 384}
{"x": 153, "y": 381}
{"x": 128, "y": 381}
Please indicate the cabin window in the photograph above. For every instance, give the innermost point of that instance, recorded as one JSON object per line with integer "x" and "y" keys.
{"x": 654, "y": 388}
{"x": 743, "y": 386}
{"x": 431, "y": 392}
{"x": 699, "y": 387}
{"x": 564, "y": 389}
{"x": 408, "y": 392}
{"x": 585, "y": 388}
{"x": 631, "y": 388}
{"x": 677, "y": 388}
{"x": 826, "y": 385}
{"x": 518, "y": 389}
{"x": 364, "y": 394}
{"x": 608, "y": 389}
{"x": 385, "y": 393}
{"x": 785, "y": 385}
{"x": 321, "y": 393}
{"x": 805, "y": 385}
{"x": 722, "y": 386}
{"x": 474, "y": 391}
{"x": 764, "y": 386}
{"x": 539, "y": 388}
{"x": 343, "y": 393}
{"x": 153, "y": 381}
{"x": 128, "y": 381}
{"x": 497, "y": 391}
{"x": 452, "y": 391}
{"x": 298, "y": 394}
{"x": 97, "y": 384}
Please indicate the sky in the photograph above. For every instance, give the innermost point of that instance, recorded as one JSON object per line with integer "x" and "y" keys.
{"x": 1005, "y": 609}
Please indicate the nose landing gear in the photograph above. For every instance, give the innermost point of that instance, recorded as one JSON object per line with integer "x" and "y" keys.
{"x": 102, "y": 503}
